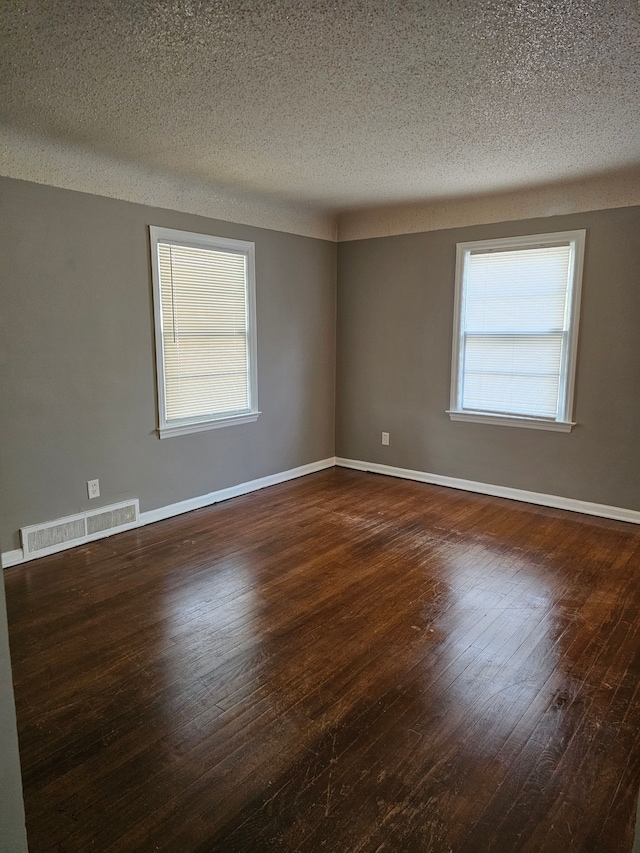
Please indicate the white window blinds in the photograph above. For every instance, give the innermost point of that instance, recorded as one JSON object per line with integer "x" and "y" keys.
{"x": 205, "y": 331}
{"x": 515, "y": 328}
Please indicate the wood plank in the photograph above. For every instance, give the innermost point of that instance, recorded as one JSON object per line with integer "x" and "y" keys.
{"x": 344, "y": 662}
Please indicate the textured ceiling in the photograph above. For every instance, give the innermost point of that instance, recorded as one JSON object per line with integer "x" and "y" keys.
{"x": 340, "y": 104}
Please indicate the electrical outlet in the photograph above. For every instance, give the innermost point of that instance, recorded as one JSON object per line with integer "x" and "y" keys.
{"x": 385, "y": 438}
{"x": 93, "y": 488}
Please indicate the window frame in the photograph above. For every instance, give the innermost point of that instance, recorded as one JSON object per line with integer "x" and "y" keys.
{"x": 200, "y": 423}
{"x": 563, "y": 421}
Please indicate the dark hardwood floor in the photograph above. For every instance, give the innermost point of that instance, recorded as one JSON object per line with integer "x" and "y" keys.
{"x": 345, "y": 662}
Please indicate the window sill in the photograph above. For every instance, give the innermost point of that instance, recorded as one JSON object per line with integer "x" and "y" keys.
{"x": 202, "y": 426}
{"x": 511, "y": 420}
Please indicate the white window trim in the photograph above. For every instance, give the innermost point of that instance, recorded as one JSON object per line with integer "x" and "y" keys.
{"x": 564, "y": 422}
{"x": 183, "y": 426}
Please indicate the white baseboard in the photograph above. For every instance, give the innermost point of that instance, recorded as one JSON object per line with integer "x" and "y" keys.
{"x": 233, "y": 491}
{"x": 601, "y": 510}
{"x": 14, "y": 558}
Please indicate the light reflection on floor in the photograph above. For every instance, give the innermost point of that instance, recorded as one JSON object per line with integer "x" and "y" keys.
{"x": 211, "y": 622}
{"x": 499, "y": 639}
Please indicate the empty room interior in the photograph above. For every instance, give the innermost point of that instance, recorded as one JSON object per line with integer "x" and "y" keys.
{"x": 320, "y": 426}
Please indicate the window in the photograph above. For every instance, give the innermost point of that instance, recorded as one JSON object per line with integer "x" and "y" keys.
{"x": 515, "y": 334}
{"x": 204, "y": 308}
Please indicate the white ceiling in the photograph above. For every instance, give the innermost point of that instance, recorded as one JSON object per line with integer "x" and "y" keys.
{"x": 342, "y": 104}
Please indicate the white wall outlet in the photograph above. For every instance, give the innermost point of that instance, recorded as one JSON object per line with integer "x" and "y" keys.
{"x": 385, "y": 438}
{"x": 93, "y": 488}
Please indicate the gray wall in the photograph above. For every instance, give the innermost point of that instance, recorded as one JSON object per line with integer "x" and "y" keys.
{"x": 13, "y": 838}
{"x": 77, "y": 359}
{"x": 395, "y": 326}
{"x": 76, "y": 362}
